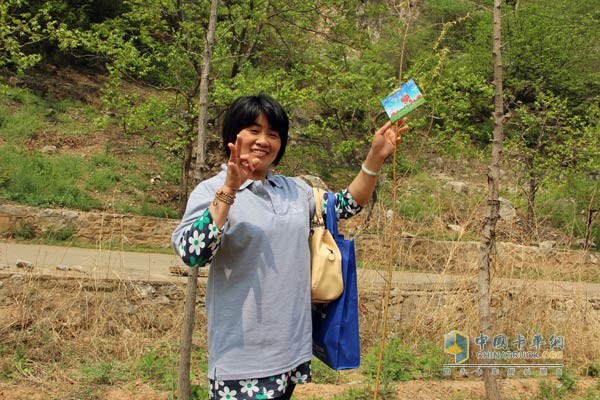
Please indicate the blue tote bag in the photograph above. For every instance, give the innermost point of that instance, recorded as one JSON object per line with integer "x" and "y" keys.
{"x": 336, "y": 340}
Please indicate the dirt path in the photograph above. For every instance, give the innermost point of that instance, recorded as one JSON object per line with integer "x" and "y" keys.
{"x": 154, "y": 267}
{"x": 91, "y": 263}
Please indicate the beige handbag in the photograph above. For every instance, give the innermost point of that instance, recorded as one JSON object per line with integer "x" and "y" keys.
{"x": 326, "y": 260}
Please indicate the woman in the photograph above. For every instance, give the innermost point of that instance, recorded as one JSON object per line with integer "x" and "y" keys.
{"x": 252, "y": 227}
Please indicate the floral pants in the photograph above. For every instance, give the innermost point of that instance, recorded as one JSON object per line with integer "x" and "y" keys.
{"x": 271, "y": 387}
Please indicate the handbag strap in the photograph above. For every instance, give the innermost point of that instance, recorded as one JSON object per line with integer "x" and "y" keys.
{"x": 331, "y": 221}
{"x": 318, "y": 217}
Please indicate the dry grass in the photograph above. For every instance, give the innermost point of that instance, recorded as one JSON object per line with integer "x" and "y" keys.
{"x": 82, "y": 338}
{"x": 67, "y": 335}
{"x": 434, "y": 289}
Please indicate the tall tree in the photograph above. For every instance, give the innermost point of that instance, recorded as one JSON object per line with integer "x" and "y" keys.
{"x": 203, "y": 96}
{"x": 189, "y": 312}
{"x": 549, "y": 142}
{"x": 552, "y": 90}
{"x": 488, "y": 237}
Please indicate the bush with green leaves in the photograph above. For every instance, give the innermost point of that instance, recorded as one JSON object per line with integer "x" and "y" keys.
{"x": 25, "y": 231}
{"x": 159, "y": 369}
{"x": 552, "y": 391}
{"x": 404, "y": 362}
{"x": 58, "y": 234}
{"x": 105, "y": 372}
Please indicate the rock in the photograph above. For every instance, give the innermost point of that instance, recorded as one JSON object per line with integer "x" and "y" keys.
{"x": 164, "y": 300}
{"x": 548, "y": 244}
{"x": 1, "y": 284}
{"x": 70, "y": 215}
{"x": 438, "y": 163}
{"x": 131, "y": 308}
{"x": 314, "y": 181}
{"x": 507, "y": 212}
{"x": 77, "y": 268}
{"x": 389, "y": 214}
{"x": 63, "y": 267}
{"x": 170, "y": 291}
{"x": 408, "y": 235}
{"x": 49, "y": 150}
{"x": 582, "y": 243}
{"x": 147, "y": 291}
{"x": 592, "y": 259}
{"x": 456, "y": 186}
{"x": 456, "y": 228}
{"x": 24, "y": 264}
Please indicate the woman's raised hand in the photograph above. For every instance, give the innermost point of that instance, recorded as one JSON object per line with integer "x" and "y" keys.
{"x": 239, "y": 167}
{"x": 387, "y": 138}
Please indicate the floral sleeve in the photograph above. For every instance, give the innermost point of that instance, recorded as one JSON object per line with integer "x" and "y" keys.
{"x": 345, "y": 205}
{"x": 200, "y": 242}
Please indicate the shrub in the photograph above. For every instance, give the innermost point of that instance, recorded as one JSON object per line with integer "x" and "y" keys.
{"x": 402, "y": 362}
{"x": 58, "y": 234}
{"x": 25, "y": 231}
{"x": 159, "y": 369}
{"x": 105, "y": 373}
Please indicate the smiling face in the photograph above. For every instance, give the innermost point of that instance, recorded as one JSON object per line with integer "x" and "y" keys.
{"x": 263, "y": 143}
{"x": 263, "y": 125}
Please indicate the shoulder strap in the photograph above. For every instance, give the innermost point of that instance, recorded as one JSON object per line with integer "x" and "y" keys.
{"x": 318, "y": 194}
{"x": 331, "y": 222}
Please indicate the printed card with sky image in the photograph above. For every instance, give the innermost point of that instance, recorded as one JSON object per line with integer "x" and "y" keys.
{"x": 403, "y": 100}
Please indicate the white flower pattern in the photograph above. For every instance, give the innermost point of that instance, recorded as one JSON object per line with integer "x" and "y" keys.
{"x": 282, "y": 382}
{"x": 196, "y": 242}
{"x": 227, "y": 394}
{"x": 262, "y": 388}
{"x": 213, "y": 231}
{"x": 299, "y": 378}
{"x": 266, "y": 394}
{"x": 249, "y": 386}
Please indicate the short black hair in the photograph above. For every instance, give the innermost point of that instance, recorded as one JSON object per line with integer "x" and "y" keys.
{"x": 244, "y": 111}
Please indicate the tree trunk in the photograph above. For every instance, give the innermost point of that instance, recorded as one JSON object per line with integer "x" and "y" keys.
{"x": 488, "y": 237}
{"x": 531, "y": 192}
{"x": 185, "y": 178}
{"x": 185, "y": 355}
{"x": 187, "y": 329}
{"x": 203, "y": 97}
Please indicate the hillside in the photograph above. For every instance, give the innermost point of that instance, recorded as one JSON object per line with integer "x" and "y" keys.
{"x": 74, "y": 154}
{"x": 84, "y": 338}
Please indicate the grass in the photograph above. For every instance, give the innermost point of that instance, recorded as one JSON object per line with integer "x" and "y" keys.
{"x": 38, "y": 180}
{"x": 89, "y": 337}
{"x": 64, "y": 179}
{"x": 160, "y": 368}
{"x": 116, "y": 174}
{"x": 405, "y": 362}
{"x": 105, "y": 373}
{"x": 81, "y": 324}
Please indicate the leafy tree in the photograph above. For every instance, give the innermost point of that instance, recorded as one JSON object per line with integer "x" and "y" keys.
{"x": 549, "y": 141}
{"x": 21, "y": 28}
{"x": 551, "y": 47}
{"x": 552, "y": 85}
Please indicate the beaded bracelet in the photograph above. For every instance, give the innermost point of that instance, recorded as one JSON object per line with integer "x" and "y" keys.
{"x": 224, "y": 197}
